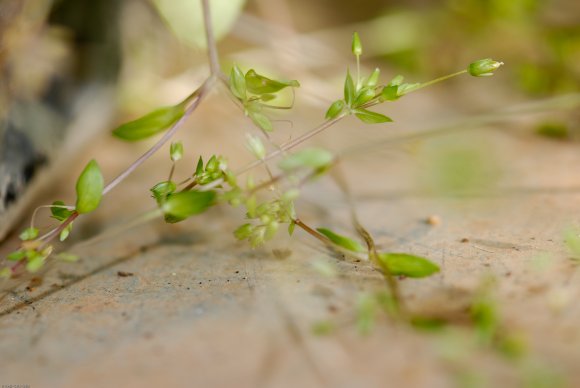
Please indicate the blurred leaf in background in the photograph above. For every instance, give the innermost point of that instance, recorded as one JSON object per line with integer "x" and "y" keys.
{"x": 186, "y": 19}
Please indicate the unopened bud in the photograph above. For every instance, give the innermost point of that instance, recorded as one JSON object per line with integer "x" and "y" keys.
{"x": 483, "y": 67}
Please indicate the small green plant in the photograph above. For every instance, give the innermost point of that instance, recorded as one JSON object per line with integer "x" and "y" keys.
{"x": 268, "y": 205}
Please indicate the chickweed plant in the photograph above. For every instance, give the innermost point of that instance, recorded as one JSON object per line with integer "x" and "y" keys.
{"x": 269, "y": 205}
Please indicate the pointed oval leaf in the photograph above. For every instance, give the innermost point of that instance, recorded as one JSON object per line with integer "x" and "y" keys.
{"x": 335, "y": 109}
{"x": 16, "y": 256}
{"x": 407, "y": 265}
{"x": 238, "y": 83}
{"x": 342, "y": 241}
{"x": 258, "y": 84}
{"x": 310, "y": 157}
{"x": 366, "y": 116}
{"x": 150, "y": 124}
{"x": 89, "y": 188}
{"x": 182, "y": 205}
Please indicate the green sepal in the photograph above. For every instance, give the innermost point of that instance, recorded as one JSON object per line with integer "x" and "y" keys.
{"x": 349, "y": 90}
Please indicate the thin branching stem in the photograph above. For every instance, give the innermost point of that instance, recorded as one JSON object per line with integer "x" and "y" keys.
{"x": 214, "y": 63}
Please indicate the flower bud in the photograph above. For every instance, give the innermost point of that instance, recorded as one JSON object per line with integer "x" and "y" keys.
{"x": 483, "y": 67}
{"x": 356, "y": 45}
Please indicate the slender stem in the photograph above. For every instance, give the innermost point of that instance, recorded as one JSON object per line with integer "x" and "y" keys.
{"x": 214, "y": 64}
{"x": 313, "y": 232}
{"x": 292, "y": 143}
{"x": 436, "y": 80}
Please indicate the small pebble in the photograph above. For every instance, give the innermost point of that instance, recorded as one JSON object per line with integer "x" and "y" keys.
{"x": 433, "y": 220}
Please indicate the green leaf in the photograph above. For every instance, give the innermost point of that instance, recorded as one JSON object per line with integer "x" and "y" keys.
{"x": 162, "y": 189}
{"x": 5, "y": 273}
{"x": 356, "y": 44}
{"x": 335, "y": 109}
{"x": 238, "y": 83}
{"x": 485, "y": 318}
{"x": 407, "y": 265}
{"x": 16, "y": 256}
{"x": 182, "y": 205}
{"x": 244, "y": 231}
{"x": 572, "y": 241}
{"x": 65, "y": 232}
{"x": 176, "y": 151}
{"x": 349, "y": 90}
{"x": 366, "y": 116}
{"x": 59, "y": 212}
{"x": 291, "y": 228}
{"x": 366, "y": 313}
{"x": 310, "y": 157}
{"x": 258, "y": 84}
{"x": 36, "y": 259}
{"x": 323, "y": 328}
{"x": 89, "y": 188}
{"x": 67, "y": 257}
{"x": 342, "y": 241}
{"x": 267, "y": 97}
{"x": 150, "y": 124}
{"x": 35, "y": 264}
{"x": 29, "y": 234}
{"x": 261, "y": 121}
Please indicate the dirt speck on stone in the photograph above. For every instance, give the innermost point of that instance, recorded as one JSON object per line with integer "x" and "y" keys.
{"x": 124, "y": 274}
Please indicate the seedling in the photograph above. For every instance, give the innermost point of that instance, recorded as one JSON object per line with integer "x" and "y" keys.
{"x": 215, "y": 183}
